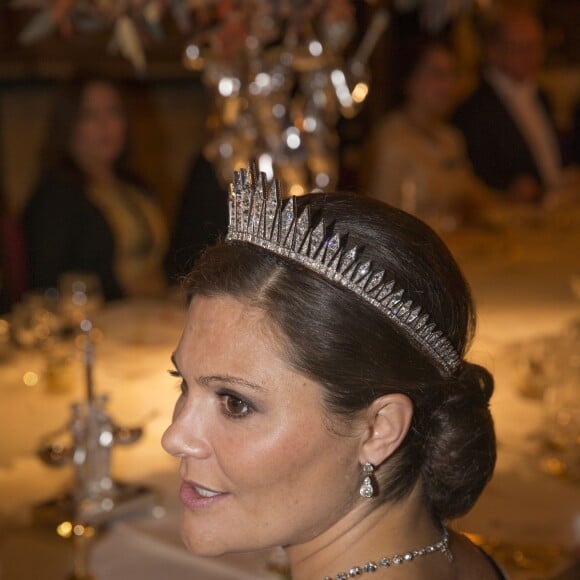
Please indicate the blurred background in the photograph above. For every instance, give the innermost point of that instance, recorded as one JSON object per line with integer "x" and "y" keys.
{"x": 167, "y": 100}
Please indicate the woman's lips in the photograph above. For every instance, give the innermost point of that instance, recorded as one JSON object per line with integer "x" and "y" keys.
{"x": 194, "y": 496}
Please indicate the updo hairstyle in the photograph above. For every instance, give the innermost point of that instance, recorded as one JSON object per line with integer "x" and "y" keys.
{"x": 357, "y": 355}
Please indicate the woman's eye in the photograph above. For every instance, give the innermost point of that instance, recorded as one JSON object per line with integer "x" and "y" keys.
{"x": 234, "y": 407}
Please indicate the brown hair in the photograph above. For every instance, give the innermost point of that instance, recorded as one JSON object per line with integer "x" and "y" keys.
{"x": 56, "y": 154}
{"x": 357, "y": 355}
{"x": 413, "y": 57}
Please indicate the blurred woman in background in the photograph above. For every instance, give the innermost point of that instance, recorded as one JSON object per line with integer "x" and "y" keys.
{"x": 89, "y": 212}
{"x": 419, "y": 161}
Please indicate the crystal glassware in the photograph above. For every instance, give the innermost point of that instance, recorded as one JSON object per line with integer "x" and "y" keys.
{"x": 93, "y": 438}
{"x": 80, "y": 298}
{"x": 36, "y": 319}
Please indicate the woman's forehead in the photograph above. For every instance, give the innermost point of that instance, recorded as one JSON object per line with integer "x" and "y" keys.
{"x": 226, "y": 313}
{"x": 227, "y": 330}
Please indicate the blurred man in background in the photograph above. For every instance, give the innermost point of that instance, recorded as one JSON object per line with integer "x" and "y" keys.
{"x": 507, "y": 122}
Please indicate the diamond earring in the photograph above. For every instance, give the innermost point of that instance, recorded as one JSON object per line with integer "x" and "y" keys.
{"x": 367, "y": 489}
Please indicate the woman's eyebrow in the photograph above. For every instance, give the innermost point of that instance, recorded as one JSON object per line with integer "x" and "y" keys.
{"x": 238, "y": 381}
{"x": 229, "y": 379}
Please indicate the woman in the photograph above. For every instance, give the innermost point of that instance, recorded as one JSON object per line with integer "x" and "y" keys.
{"x": 319, "y": 409}
{"x": 88, "y": 212}
{"x": 419, "y": 161}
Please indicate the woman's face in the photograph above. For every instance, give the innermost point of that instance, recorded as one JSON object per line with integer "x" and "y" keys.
{"x": 433, "y": 86}
{"x": 100, "y": 130}
{"x": 259, "y": 465}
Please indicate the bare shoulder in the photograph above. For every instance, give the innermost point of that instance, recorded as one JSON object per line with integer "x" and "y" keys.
{"x": 470, "y": 563}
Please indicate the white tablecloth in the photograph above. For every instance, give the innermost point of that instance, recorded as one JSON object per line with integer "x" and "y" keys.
{"x": 522, "y": 279}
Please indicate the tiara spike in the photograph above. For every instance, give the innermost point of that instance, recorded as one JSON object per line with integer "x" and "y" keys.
{"x": 348, "y": 259}
{"x": 364, "y": 280}
{"x": 375, "y": 281}
{"x": 232, "y": 206}
{"x": 246, "y": 208}
{"x": 302, "y": 229}
{"x": 406, "y": 310}
{"x": 421, "y": 322}
{"x": 257, "y": 216}
{"x": 434, "y": 337}
{"x": 349, "y": 272}
{"x": 254, "y": 173}
{"x": 256, "y": 206}
{"x": 413, "y": 315}
{"x": 385, "y": 291}
{"x": 271, "y": 211}
{"x": 395, "y": 299}
{"x": 276, "y": 191}
{"x": 333, "y": 264}
{"x": 264, "y": 208}
{"x": 349, "y": 263}
{"x": 287, "y": 222}
{"x": 332, "y": 248}
{"x": 361, "y": 273}
{"x": 305, "y": 245}
{"x": 262, "y": 222}
{"x": 316, "y": 239}
{"x": 428, "y": 330}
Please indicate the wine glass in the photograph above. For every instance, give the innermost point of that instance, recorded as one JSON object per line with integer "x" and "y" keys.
{"x": 80, "y": 298}
{"x": 35, "y": 319}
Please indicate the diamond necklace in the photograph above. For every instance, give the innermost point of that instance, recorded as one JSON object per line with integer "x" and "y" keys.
{"x": 386, "y": 562}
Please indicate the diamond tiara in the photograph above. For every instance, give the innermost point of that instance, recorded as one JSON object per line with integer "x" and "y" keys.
{"x": 258, "y": 217}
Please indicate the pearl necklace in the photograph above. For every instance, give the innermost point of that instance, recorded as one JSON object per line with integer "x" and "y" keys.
{"x": 386, "y": 562}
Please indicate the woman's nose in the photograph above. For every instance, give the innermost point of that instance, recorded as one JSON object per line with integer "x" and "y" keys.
{"x": 185, "y": 437}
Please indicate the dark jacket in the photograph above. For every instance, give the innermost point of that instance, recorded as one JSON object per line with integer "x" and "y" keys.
{"x": 12, "y": 263}
{"x": 573, "y": 149}
{"x": 497, "y": 149}
{"x": 202, "y": 217}
{"x": 65, "y": 232}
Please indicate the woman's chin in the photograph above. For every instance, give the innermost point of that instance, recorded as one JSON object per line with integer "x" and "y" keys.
{"x": 199, "y": 547}
{"x": 207, "y": 544}
{"x": 201, "y": 542}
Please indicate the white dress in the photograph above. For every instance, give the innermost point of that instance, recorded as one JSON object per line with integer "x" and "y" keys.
{"x": 425, "y": 174}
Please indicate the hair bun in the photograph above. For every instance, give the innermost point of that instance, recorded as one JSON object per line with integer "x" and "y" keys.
{"x": 460, "y": 447}
{"x": 476, "y": 380}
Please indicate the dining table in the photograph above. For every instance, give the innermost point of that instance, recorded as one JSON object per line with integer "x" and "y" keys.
{"x": 524, "y": 273}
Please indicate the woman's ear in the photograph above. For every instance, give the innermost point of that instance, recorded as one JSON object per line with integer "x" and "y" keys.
{"x": 388, "y": 422}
